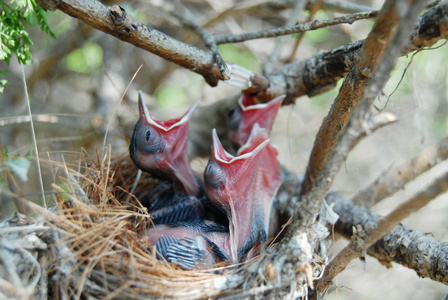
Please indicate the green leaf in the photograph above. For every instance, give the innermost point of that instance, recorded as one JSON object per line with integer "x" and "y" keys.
{"x": 13, "y": 36}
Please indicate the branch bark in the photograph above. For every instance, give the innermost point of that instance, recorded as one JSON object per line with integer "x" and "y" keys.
{"x": 415, "y": 250}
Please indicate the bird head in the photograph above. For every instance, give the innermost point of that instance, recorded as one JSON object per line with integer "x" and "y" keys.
{"x": 241, "y": 117}
{"x": 160, "y": 148}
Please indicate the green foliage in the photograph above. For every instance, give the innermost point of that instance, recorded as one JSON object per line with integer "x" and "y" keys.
{"x": 13, "y": 36}
{"x": 17, "y": 165}
{"x": 87, "y": 59}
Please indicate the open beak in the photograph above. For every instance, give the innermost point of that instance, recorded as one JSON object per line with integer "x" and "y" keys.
{"x": 160, "y": 148}
{"x": 252, "y": 112}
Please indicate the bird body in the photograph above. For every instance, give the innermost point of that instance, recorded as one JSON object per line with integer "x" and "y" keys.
{"x": 191, "y": 244}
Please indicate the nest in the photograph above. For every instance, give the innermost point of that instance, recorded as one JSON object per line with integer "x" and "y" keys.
{"x": 89, "y": 246}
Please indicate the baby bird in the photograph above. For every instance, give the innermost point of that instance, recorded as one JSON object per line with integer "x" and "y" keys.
{"x": 231, "y": 184}
{"x": 160, "y": 148}
{"x": 241, "y": 117}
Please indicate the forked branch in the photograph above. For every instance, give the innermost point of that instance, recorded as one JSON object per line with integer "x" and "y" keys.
{"x": 373, "y": 232}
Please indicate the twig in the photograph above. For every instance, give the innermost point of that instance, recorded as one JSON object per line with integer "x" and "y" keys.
{"x": 209, "y": 41}
{"x": 271, "y": 7}
{"x": 358, "y": 247}
{"x": 313, "y": 25}
{"x": 393, "y": 180}
{"x": 314, "y": 8}
{"x": 273, "y": 58}
{"x": 111, "y": 117}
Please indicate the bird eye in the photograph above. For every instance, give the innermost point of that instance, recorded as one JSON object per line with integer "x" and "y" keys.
{"x": 234, "y": 116}
{"x": 149, "y": 140}
{"x": 214, "y": 175}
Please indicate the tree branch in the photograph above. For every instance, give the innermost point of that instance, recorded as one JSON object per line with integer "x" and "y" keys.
{"x": 210, "y": 42}
{"x": 330, "y": 149}
{"x": 320, "y": 73}
{"x": 375, "y": 230}
{"x": 313, "y": 25}
{"x": 393, "y": 180}
{"x": 308, "y": 77}
{"x": 416, "y": 250}
{"x": 351, "y": 91}
{"x": 117, "y": 22}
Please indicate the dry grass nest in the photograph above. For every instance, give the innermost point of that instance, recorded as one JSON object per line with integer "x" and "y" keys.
{"x": 89, "y": 245}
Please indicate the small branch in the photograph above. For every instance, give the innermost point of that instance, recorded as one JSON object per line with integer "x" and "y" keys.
{"x": 378, "y": 229}
{"x": 209, "y": 40}
{"x": 418, "y": 251}
{"x": 270, "y": 7}
{"x": 313, "y": 25}
{"x": 272, "y": 60}
{"x": 393, "y": 180}
{"x": 314, "y": 8}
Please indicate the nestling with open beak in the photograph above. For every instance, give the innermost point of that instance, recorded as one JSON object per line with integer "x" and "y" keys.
{"x": 231, "y": 183}
{"x": 242, "y": 116}
{"x": 160, "y": 148}
{"x": 268, "y": 178}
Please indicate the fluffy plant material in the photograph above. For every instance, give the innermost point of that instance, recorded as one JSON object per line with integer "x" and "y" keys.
{"x": 90, "y": 246}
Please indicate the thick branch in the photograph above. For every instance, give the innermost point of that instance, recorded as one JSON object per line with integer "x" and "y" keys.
{"x": 393, "y": 180}
{"x": 334, "y": 152}
{"x": 375, "y": 229}
{"x": 351, "y": 91}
